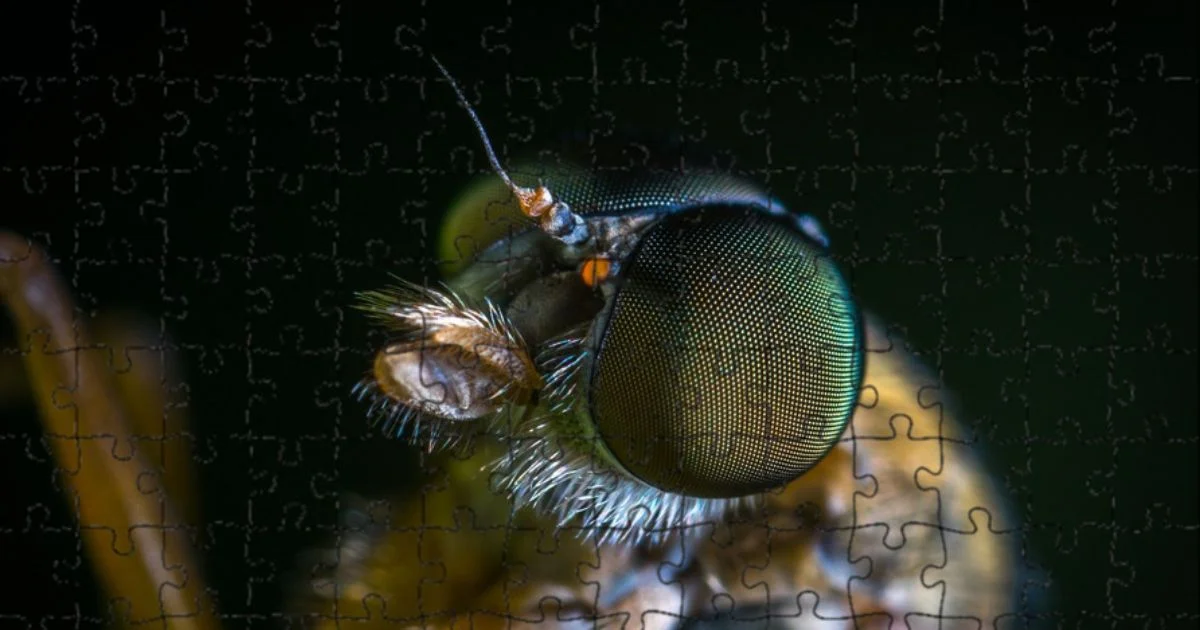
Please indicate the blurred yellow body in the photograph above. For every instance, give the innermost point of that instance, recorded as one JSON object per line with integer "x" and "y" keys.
{"x": 456, "y": 556}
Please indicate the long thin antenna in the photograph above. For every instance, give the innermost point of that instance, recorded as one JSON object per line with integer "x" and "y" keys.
{"x": 554, "y": 217}
{"x": 487, "y": 143}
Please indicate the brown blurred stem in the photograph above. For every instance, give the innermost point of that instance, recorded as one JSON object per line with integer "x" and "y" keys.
{"x": 133, "y": 534}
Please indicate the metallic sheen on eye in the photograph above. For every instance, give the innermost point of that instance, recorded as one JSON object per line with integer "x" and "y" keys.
{"x": 730, "y": 359}
{"x": 694, "y": 345}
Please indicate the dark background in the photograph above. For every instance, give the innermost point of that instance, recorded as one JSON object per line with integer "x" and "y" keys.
{"x": 1014, "y": 188}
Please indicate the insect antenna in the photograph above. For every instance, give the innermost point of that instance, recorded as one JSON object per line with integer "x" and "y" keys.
{"x": 483, "y": 135}
{"x": 554, "y": 216}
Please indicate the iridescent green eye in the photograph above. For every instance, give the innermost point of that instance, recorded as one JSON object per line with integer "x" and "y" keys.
{"x": 729, "y": 359}
{"x": 651, "y": 347}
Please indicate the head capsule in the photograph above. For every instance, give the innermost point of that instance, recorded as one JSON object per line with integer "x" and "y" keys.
{"x": 722, "y": 357}
{"x": 695, "y": 342}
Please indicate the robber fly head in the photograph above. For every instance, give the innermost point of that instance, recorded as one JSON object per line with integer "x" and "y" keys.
{"x": 680, "y": 341}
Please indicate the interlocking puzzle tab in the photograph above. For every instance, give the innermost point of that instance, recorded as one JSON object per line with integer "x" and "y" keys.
{"x": 193, "y": 195}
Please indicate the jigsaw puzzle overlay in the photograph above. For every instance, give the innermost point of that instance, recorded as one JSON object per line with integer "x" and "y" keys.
{"x": 192, "y": 197}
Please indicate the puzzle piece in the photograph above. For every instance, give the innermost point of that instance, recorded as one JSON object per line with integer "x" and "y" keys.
{"x": 214, "y": 183}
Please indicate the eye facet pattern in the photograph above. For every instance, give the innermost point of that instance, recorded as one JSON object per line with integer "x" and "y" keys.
{"x": 730, "y": 358}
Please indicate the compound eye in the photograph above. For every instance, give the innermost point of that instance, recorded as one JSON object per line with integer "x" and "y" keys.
{"x": 729, "y": 360}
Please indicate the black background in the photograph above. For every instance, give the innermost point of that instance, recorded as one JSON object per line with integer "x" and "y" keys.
{"x": 1014, "y": 188}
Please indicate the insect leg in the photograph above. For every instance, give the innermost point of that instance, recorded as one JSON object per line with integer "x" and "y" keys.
{"x": 85, "y": 423}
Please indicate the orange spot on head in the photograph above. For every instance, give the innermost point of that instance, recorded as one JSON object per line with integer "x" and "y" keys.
{"x": 595, "y": 270}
